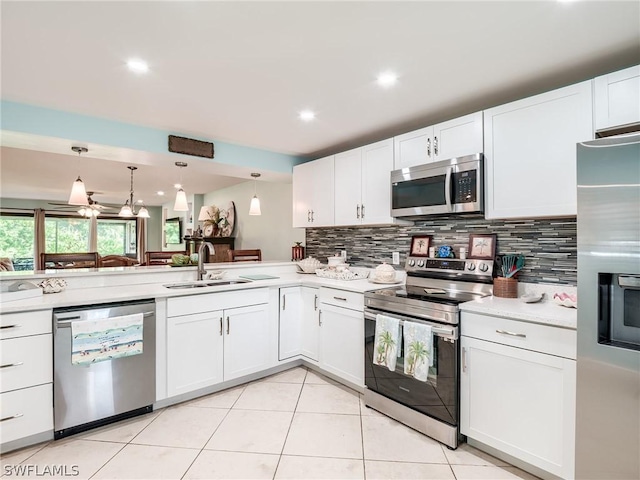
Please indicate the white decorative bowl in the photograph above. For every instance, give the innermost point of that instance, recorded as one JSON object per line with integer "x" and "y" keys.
{"x": 384, "y": 273}
{"x": 52, "y": 285}
{"x": 309, "y": 265}
{"x": 335, "y": 261}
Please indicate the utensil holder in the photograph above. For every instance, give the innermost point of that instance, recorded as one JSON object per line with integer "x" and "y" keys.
{"x": 505, "y": 287}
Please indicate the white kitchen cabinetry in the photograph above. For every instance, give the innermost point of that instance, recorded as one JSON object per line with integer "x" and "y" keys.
{"x": 454, "y": 138}
{"x": 342, "y": 334}
{"x": 26, "y": 374}
{"x": 290, "y": 327}
{"x": 530, "y": 153}
{"x": 363, "y": 186}
{"x": 217, "y": 337}
{"x": 617, "y": 99}
{"x": 310, "y": 328}
{"x": 515, "y": 398}
{"x": 313, "y": 197}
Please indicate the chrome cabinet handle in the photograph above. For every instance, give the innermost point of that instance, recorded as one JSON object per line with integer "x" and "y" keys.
{"x": 341, "y": 298}
{"x": 362, "y": 212}
{"x": 504, "y": 332}
{"x": 464, "y": 359}
{"x": 17, "y": 415}
{"x": 320, "y": 318}
{"x": 428, "y": 147}
{"x": 17, "y": 364}
{"x": 308, "y": 215}
{"x": 357, "y": 211}
{"x": 312, "y": 219}
{"x": 10, "y": 326}
{"x": 284, "y": 301}
{"x": 228, "y": 325}
{"x": 315, "y": 302}
{"x": 435, "y": 146}
{"x": 220, "y": 326}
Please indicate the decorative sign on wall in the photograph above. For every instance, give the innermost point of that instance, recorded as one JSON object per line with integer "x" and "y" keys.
{"x": 189, "y": 146}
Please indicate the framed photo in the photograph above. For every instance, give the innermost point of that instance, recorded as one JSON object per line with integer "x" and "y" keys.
{"x": 482, "y": 246}
{"x": 420, "y": 245}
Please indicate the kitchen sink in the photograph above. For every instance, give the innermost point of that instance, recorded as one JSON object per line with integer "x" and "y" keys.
{"x": 205, "y": 283}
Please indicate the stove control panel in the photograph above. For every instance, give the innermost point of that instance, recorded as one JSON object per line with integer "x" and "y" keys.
{"x": 452, "y": 266}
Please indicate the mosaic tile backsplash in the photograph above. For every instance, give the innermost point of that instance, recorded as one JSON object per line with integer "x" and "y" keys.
{"x": 549, "y": 245}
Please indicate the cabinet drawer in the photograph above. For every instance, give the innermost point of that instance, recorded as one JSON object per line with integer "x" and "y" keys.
{"x": 531, "y": 336}
{"x": 210, "y": 302}
{"x": 25, "y": 323}
{"x": 26, "y": 412}
{"x": 342, "y": 298}
{"x": 25, "y": 362}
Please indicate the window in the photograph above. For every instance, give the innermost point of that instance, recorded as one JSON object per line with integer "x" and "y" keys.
{"x": 116, "y": 237}
{"x": 16, "y": 239}
{"x": 66, "y": 234}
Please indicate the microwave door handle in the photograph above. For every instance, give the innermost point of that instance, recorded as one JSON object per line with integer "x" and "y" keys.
{"x": 447, "y": 188}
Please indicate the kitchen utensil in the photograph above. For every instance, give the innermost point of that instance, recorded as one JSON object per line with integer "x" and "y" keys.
{"x": 517, "y": 267}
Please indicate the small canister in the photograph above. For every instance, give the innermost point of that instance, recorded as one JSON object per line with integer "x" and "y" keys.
{"x": 297, "y": 252}
{"x": 432, "y": 252}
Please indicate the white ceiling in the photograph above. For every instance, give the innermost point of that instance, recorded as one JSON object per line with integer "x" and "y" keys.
{"x": 241, "y": 71}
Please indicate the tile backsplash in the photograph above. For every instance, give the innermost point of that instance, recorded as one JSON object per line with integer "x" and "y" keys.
{"x": 549, "y": 245}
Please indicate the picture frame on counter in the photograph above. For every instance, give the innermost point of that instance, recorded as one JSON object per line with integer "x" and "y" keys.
{"x": 420, "y": 245}
{"x": 482, "y": 246}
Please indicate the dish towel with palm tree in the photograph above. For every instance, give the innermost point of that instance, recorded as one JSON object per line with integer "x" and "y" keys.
{"x": 385, "y": 350}
{"x": 418, "y": 350}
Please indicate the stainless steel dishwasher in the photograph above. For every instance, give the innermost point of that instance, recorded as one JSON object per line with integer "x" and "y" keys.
{"x": 87, "y": 395}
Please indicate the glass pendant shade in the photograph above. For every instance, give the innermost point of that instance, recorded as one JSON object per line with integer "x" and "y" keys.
{"x": 143, "y": 212}
{"x": 181, "y": 202}
{"x": 125, "y": 211}
{"x": 254, "y": 208}
{"x": 78, "y": 193}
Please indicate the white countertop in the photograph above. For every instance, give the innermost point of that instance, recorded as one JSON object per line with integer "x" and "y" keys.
{"x": 545, "y": 312}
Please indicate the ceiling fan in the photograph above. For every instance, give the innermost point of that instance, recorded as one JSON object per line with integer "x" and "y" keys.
{"x": 92, "y": 209}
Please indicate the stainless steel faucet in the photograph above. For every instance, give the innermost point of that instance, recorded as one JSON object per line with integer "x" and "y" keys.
{"x": 212, "y": 251}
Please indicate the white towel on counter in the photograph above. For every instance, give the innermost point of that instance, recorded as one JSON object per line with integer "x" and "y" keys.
{"x": 418, "y": 350}
{"x": 385, "y": 348}
{"x": 95, "y": 341}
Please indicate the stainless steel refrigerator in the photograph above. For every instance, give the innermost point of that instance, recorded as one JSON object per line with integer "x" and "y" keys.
{"x": 608, "y": 370}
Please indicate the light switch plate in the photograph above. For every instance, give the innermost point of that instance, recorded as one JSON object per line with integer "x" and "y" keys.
{"x": 396, "y": 258}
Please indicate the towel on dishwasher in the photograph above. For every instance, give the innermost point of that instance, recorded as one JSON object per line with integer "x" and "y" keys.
{"x": 418, "y": 350}
{"x": 95, "y": 341}
{"x": 385, "y": 348}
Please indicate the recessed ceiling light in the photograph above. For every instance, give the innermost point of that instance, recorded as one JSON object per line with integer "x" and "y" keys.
{"x": 387, "y": 79}
{"x": 177, "y": 185}
{"x": 307, "y": 115}
{"x": 138, "y": 66}
{"x": 160, "y": 192}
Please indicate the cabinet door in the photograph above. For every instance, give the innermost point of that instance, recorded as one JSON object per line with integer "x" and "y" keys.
{"x": 310, "y": 335}
{"x": 377, "y": 164}
{"x": 290, "y": 325}
{"x": 194, "y": 352}
{"x": 348, "y": 187}
{"x": 458, "y": 137}
{"x": 520, "y": 402}
{"x": 617, "y": 98}
{"x": 323, "y": 196}
{"x": 342, "y": 343}
{"x": 413, "y": 148}
{"x": 530, "y": 153}
{"x": 302, "y": 194}
{"x": 246, "y": 343}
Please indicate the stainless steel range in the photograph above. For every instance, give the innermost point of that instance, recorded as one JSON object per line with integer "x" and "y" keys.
{"x": 434, "y": 289}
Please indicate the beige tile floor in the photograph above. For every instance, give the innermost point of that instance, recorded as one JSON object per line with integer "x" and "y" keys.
{"x": 293, "y": 425}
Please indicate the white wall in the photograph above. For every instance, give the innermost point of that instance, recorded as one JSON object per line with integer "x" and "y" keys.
{"x": 272, "y": 231}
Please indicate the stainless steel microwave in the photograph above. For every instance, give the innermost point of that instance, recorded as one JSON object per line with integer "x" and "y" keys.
{"x": 439, "y": 188}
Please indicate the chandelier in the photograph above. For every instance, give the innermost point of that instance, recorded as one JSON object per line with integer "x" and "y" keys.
{"x": 128, "y": 209}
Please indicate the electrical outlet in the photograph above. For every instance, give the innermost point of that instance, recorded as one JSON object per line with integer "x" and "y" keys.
{"x": 343, "y": 253}
{"x": 396, "y": 258}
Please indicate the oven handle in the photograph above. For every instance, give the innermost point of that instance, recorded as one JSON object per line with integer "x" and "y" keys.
{"x": 437, "y": 330}
{"x": 629, "y": 281}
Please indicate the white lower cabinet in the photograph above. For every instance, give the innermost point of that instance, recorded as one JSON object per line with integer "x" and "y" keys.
{"x": 310, "y": 324}
{"x": 210, "y": 347}
{"x": 290, "y": 325}
{"x": 518, "y": 401}
{"x": 342, "y": 337}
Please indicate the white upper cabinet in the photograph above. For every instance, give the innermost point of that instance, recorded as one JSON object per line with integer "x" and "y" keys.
{"x": 313, "y": 193}
{"x": 530, "y": 153}
{"x": 617, "y": 98}
{"x": 453, "y": 138}
{"x": 363, "y": 185}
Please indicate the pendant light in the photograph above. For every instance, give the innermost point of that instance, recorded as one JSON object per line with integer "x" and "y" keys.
{"x": 78, "y": 194}
{"x": 254, "y": 208}
{"x": 181, "y": 204}
{"x": 128, "y": 209}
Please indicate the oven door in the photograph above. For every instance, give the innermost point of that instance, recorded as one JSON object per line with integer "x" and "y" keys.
{"x": 438, "y": 396}
{"x": 451, "y": 186}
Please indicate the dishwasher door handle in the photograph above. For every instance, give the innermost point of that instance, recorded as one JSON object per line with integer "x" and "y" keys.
{"x": 70, "y": 320}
